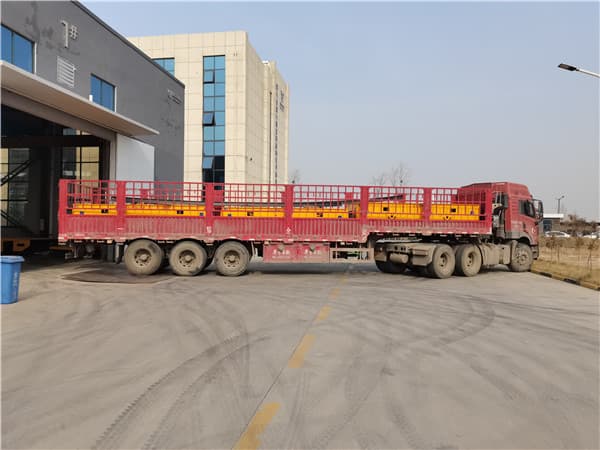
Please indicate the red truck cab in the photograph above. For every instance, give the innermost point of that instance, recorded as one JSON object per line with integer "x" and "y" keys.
{"x": 516, "y": 214}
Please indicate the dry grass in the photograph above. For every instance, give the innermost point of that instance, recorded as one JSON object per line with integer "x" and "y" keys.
{"x": 574, "y": 258}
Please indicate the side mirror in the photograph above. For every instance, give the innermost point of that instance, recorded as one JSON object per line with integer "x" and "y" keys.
{"x": 539, "y": 210}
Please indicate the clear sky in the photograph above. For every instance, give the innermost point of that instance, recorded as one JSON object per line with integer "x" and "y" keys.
{"x": 458, "y": 92}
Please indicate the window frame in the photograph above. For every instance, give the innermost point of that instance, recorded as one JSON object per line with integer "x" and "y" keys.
{"x": 161, "y": 62}
{"x": 208, "y": 118}
{"x": 213, "y": 118}
{"x": 526, "y": 208}
{"x": 102, "y": 83}
{"x": 33, "y": 47}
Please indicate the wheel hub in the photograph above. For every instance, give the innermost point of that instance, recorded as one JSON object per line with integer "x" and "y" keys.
{"x": 186, "y": 258}
{"x": 469, "y": 261}
{"x": 232, "y": 259}
{"x": 142, "y": 257}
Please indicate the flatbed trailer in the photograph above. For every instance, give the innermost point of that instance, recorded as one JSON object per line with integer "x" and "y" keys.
{"x": 436, "y": 230}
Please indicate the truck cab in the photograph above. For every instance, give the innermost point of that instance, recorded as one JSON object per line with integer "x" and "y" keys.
{"x": 516, "y": 214}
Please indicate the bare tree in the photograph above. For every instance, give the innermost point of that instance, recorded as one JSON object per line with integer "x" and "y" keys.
{"x": 397, "y": 175}
{"x": 295, "y": 176}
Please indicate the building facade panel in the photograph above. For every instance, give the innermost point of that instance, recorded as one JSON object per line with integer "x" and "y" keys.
{"x": 67, "y": 30}
{"x": 256, "y": 137}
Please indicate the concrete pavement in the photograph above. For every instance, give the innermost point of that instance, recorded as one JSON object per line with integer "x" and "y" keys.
{"x": 313, "y": 356}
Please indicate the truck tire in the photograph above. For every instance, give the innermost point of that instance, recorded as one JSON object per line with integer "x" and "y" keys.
{"x": 143, "y": 257}
{"x": 522, "y": 258}
{"x": 231, "y": 259}
{"x": 187, "y": 258}
{"x": 468, "y": 260}
{"x": 443, "y": 262}
{"x": 390, "y": 267}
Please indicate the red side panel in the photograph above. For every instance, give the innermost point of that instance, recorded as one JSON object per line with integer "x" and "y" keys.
{"x": 313, "y": 253}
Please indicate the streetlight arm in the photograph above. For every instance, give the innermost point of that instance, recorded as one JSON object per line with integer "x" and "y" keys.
{"x": 594, "y": 74}
{"x": 577, "y": 69}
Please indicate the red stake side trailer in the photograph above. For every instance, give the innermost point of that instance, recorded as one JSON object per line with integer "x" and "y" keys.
{"x": 190, "y": 224}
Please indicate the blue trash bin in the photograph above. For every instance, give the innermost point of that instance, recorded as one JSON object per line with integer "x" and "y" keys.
{"x": 10, "y": 267}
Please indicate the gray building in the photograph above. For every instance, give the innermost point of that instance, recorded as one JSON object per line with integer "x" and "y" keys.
{"x": 78, "y": 101}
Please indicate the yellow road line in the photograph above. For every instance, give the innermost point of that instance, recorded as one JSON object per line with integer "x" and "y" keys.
{"x": 297, "y": 359}
{"x": 249, "y": 439}
{"x": 334, "y": 293}
{"x": 325, "y": 310}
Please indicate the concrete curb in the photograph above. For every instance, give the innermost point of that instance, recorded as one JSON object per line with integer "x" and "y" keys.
{"x": 585, "y": 284}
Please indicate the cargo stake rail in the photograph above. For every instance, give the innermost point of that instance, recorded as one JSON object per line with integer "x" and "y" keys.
{"x": 123, "y": 210}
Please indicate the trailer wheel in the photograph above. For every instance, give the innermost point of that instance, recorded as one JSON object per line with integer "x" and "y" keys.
{"x": 522, "y": 258}
{"x": 468, "y": 260}
{"x": 231, "y": 259}
{"x": 390, "y": 267}
{"x": 143, "y": 257}
{"x": 187, "y": 258}
{"x": 443, "y": 262}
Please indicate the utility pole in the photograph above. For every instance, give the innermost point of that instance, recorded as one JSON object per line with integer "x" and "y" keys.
{"x": 558, "y": 206}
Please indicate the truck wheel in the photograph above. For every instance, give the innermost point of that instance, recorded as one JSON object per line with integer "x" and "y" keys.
{"x": 390, "y": 267}
{"x": 187, "y": 258}
{"x": 522, "y": 258}
{"x": 143, "y": 257}
{"x": 443, "y": 262}
{"x": 231, "y": 259}
{"x": 468, "y": 260}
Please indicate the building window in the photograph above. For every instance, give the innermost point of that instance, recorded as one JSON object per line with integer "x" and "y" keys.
{"x": 213, "y": 120}
{"x": 166, "y": 63}
{"x": 17, "y": 50}
{"x": 103, "y": 93}
{"x": 208, "y": 118}
{"x": 80, "y": 163}
{"x": 14, "y": 194}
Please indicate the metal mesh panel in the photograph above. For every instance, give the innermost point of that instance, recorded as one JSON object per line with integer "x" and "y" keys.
{"x": 86, "y": 197}
{"x": 327, "y": 202}
{"x": 249, "y": 200}
{"x": 395, "y": 203}
{"x": 149, "y": 198}
{"x": 452, "y": 204}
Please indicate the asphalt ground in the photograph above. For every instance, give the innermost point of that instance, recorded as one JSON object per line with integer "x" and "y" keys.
{"x": 298, "y": 356}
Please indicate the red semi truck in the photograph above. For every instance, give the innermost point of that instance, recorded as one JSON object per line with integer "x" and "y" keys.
{"x": 433, "y": 230}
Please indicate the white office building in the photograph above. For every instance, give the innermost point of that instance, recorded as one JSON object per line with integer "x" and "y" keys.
{"x": 236, "y": 106}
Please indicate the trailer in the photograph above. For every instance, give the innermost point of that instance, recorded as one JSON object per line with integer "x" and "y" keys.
{"x": 437, "y": 231}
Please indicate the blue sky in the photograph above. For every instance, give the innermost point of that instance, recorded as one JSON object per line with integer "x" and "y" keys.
{"x": 458, "y": 92}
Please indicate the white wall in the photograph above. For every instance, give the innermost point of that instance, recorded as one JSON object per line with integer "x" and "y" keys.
{"x": 134, "y": 160}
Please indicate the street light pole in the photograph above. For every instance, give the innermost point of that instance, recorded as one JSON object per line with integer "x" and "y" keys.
{"x": 558, "y": 207}
{"x": 577, "y": 69}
